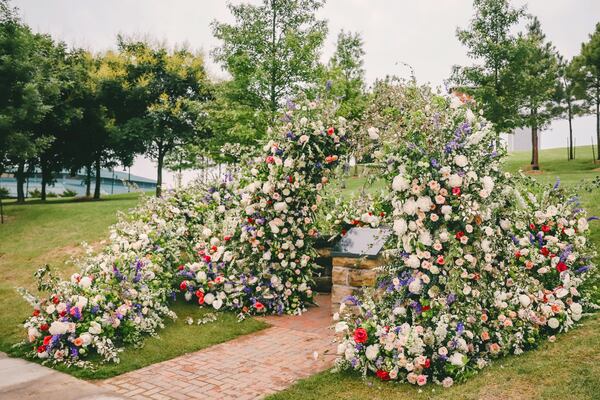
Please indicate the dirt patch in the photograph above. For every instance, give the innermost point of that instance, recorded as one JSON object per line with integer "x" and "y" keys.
{"x": 60, "y": 255}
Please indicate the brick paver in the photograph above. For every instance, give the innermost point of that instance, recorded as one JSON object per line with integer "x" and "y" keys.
{"x": 249, "y": 367}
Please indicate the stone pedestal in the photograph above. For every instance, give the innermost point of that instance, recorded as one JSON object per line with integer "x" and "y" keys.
{"x": 355, "y": 260}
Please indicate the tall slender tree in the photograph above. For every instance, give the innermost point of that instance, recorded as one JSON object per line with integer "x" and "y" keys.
{"x": 587, "y": 64}
{"x": 536, "y": 69}
{"x": 491, "y": 44}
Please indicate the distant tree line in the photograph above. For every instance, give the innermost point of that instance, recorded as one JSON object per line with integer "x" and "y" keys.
{"x": 68, "y": 108}
{"x": 520, "y": 79}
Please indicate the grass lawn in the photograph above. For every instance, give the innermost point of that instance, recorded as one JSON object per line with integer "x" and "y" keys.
{"x": 567, "y": 369}
{"x": 38, "y": 233}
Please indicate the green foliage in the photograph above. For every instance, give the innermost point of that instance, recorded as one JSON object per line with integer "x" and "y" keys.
{"x": 4, "y": 193}
{"x": 492, "y": 45}
{"x": 271, "y": 51}
{"x": 165, "y": 96}
{"x": 68, "y": 193}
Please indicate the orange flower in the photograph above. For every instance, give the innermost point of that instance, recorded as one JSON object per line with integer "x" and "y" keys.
{"x": 485, "y": 336}
{"x": 78, "y": 342}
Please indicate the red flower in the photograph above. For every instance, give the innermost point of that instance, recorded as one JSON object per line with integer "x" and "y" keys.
{"x": 383, "y": 375}
{"x": 425, "y": 308}
{"x": 561, "y": 266}
{"x": 259, "y": 306}
{"x": 440, "y": 260}
{"x": 382, "y": 214}
{"x": 355, "y": 222}
{"x": 270, "y": 160}
{"x": 55, "y": 300}
{"x": 427, "y": 363}
{"x": 517, "y": 254}
{"x": 36, "y": 312}
{"x": 207, "y": 259}
{"x": 330, "y": 131}
{"x": 343, "y": 232}
{"x": 41, "y": 349}
{"x": 456, "y": 191}
{"x": 250, "y": 220}
{"x": 227, "y": 238}
{"x": 532, "y": 227}
{"x": 183, "y": 286}
{"x": 44, "y": 327}
{"x": 545, "y": 228}
{"x": 180, "y": 268}
{"x": 200, "y": 296}
{"x": 290, "y": 179}
{"x": 47, "y": 340}
{"x": 459, "y": 234}
{"x": 360, "y": 335}
{"x": 545, "y": 251}
{"x": 213, "y": 248}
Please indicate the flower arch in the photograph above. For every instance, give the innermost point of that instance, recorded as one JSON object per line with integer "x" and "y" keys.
{"x": 242, "y": 244}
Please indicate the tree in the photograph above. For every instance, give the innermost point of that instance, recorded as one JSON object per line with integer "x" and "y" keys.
{"x": 536, "y": 70}
{"x": 166, "y": 94}
{"x": 568, "y": 98}
{"x": 271, "y": 51}
{"x": 25, "y": 93}
{"x": 345, "y": 76}
{"x": 587, "y": 64}
{"x": 492, "y": 45}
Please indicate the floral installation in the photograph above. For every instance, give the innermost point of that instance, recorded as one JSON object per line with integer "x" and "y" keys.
{"x": 265, "y": 262}
{"x": 242, "y": 244}
{"x": 469, "y": 281}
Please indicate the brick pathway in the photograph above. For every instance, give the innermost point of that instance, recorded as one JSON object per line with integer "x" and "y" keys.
{"x": 249, "y": 367}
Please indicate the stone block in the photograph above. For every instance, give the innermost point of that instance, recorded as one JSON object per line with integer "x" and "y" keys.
{"x": 362, "y": 277}
{"x": 340, "y": 275}
{"x": 339, "y": 292}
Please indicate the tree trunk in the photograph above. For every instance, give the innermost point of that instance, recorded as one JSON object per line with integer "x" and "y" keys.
{"x": 159, "y": 168}
{"x": 88, "y": 180}
{"x": 44, "y": 168}
{"x": 534, "y": 148}
{"x": 598, "y": 120}
{"x": 273, "y": 94}
{"x": 98, "y": 180}
{"x": 570, "y": 114}
{"x": 20, "y": 175}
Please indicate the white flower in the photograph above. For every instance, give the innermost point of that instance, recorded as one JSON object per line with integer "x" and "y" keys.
{"x": 524, "y": 300}
{"x": 95, "y": 328}
{"x": 413, "y": 261}
{"x": 280, "y": 206}
{"x": 85, "y": 282}
{"x": 372, "y": 351}
{"x": 410, "y": 206}
{"x": 86, "y": 337}
{"x": 576, "y": 308}
{"x": 400, "y": 227}
{"x": 424, "y": 203}
{"x": 373, "y": 133}
{"x": 553, "y": 323}
{"x": 303, "y": 139}
{"x": 217, "y": 303}
{"x": 457, "y": 359}
{"x": 209, "y": 298}
{"x": 455, "y": 180}
{"x": 400, "y": 183}
{"x": 461, "y": 160}
{"x": 341, "y": 327}
{"x": 446, "y": 210}
{"x": 415, "y": 286}
{"x": 58, "y": 328}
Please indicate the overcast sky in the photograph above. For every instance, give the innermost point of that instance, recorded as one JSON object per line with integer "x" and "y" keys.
{"x": 418, "y": 32}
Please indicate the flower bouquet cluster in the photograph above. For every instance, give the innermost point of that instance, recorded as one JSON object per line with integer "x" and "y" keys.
{"x": 453, "y": 298}
{"x": 264, "y": 263}
{"x": 120, "y": 294}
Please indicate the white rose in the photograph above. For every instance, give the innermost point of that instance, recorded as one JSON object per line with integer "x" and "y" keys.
{"x": 209, "y": 298}
{"x": 95, "y": 328}
{"x": 280, "y": 206}
{"x": 415, "y": 286}
{"x": 524, "y": 300}
{"x": 410, "y": 206}
{"x": 576, "y": 308}
{"x": 446, "y": 210}
{"x": 461, "y": 160}
{"x": 413, "y": 261}
{"x": 217, "y": 304}
{"x": 455, "y": 180}
{"x": 85, "y": 282}
{"x": 457, "y": 359}
{"x": 553, "y": 323}
{"x": 424, "y": 203}
{"x": 400, "y": 183}
{"x": 400, "y": 227}
{"x": 58, "y": 328}
{"x": 372, "y": 351}
{"x": 86, "y": 337}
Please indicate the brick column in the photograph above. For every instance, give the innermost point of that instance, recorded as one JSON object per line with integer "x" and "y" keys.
{"x": 350, "y": 274}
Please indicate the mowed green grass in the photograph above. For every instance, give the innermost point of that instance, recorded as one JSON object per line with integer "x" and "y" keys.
{"x": 568, "y": 369}
{"x": 39, "y": 233}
